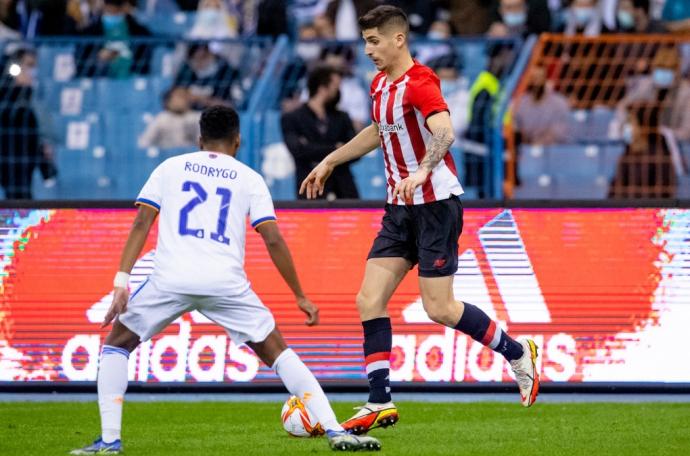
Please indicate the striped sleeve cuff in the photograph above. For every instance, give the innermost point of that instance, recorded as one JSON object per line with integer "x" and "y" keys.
{"x": 147, "y": 202}
{"x": 262, "y": 220}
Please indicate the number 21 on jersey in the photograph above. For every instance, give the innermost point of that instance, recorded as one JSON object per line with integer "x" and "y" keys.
{"x": 201, "y": 196}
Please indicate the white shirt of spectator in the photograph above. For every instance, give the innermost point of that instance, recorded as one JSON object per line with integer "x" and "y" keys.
{"x": 204, "y": 199}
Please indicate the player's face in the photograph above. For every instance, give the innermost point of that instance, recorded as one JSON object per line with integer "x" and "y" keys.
{"x": 383, "y": 47}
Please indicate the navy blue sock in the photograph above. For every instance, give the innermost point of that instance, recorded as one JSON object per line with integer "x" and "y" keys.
{"x": 378, "y": 340}
{"x": 476, "y": 324}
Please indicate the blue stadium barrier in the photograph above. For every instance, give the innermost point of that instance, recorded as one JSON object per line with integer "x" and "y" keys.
{"x": 497, "y": 150}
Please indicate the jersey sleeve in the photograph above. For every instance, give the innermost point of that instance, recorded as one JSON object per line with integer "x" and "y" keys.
{"x": 260, "y": 204}
{"x": 151, "y": 193}
{"x": 425, "y": 95}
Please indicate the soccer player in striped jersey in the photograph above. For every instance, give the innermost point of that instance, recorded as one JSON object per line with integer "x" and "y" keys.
{"x": 423, "y": 215}
{"x": 203, "y": 200}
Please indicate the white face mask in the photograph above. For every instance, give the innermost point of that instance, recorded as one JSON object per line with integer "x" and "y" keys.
{"x": 627, "y": 133}
{"x": 515, "y": 19}
{"x": 663, "y": 77}
{"x": 583, "y": 15}
{"x": 436, "y": 35}
{"x": 308, "y": 50}
{"x": 207, "y": 72}
{"x": 449, "y": 86}
{"x": 209, "y": 17}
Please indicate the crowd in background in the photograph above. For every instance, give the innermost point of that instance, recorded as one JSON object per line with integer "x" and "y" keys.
{"x": 206, "y": 75}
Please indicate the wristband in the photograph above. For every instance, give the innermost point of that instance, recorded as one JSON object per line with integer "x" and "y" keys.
{"x": 121, "y": 280}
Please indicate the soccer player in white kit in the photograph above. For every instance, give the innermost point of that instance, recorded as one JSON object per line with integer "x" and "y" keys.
{"x": 203, "y": 199}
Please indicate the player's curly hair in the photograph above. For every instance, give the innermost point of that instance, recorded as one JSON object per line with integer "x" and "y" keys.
{"x": 219, "y": 123}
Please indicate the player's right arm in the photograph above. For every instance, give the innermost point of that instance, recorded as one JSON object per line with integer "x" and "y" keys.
{"x": 282, "y": 259}
{"x": 365, "y": 141}
{"x": 135, "y": 243}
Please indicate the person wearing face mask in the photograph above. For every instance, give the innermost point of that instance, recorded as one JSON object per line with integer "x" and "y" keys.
{"x": 646, "y": 169}
{"x": 317, "y": 127}
{"x": 209, "y": 79}
{"x": 664, "y": 86}
{"x": 541, "y": 115}
{"x": 583, "y": 17}
{"x": 632, "y": 16}
{"x": 117, "y": 58}
{"x": 455, "y": 90}
{"x": 213, "y": 21}
{"x": 176, "y": 126}
{"x": 521, "y": 17}
{"x": 439, "y": 34}
{"x": 21, "y": 147}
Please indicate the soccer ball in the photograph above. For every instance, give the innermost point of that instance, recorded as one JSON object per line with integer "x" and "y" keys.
{"x": 297, "y": 420}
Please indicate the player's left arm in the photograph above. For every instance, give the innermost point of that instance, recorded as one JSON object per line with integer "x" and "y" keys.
{"x": 442, "y": 138}
{"x": 141, "y": 227}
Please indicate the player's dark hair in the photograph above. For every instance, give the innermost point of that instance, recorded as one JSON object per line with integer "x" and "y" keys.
{"x": 219, "y": 123}
{"x": 383, "y": 16}
{"x": 320, "y": 77}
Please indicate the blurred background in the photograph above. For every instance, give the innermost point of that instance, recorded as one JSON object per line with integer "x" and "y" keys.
{"x": 550, "y": 99}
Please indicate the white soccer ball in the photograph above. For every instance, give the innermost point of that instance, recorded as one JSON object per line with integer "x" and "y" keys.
{"x": 297, "y": 420}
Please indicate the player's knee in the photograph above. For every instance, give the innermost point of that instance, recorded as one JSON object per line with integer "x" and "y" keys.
{"x": 367, "y": 305}
{"x": 122, "y": 337}
{"x": 441, "y": 313}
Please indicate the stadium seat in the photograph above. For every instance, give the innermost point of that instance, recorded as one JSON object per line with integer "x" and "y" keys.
{"x": 573, "y": 160}
{"x": 531, "y": 163}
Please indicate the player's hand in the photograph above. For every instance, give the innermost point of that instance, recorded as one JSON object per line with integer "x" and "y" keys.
{"x": 406, "y": 187}
{"x": 118, "y": 307}
{"x": 310, "y": 309}
{"x": 313, "y": 185}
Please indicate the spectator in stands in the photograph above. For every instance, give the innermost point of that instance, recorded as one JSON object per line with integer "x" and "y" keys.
{"x": 117, "y": 58}
{"x": 439, "y": 33}
{"x": 357, "y": 103}
{"x": 664, "y": 86}
{"x": 584, "y": 17}
{"x": 632, "y": 16}
{"x": 521, "y": 17}
{"x": 176, "y": 126}
{"x": 317, "y": 128}
{"x": 213, "y": 21}
{"x": 471, "y": 17}
{"x": 646, "y": 168}
{"x": 325, "y": 29}
{"x": 272, "y": 18}
{"x": 209, "y": 79}
{"x": 542, "y": 116}
{"x": 455, "y": 89}
{"x": 20, "y": 143}
{"x": 676, "y": 15}
{"x": 484, "y": 94}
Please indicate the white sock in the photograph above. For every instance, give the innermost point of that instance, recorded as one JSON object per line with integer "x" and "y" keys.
{"x": 112, "y": 384}
{"x": 299, "y": 381}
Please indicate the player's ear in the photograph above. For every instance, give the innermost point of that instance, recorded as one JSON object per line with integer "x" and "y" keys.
{"x": 201, "y": 143}
{"x": 238, "y": 141}
{"x": 400, "y": 39}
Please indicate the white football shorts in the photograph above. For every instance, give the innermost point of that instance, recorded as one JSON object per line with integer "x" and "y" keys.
{"x": 244, "y": 317}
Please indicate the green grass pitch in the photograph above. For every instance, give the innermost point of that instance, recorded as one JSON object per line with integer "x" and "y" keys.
{"x": 208, "y": 428}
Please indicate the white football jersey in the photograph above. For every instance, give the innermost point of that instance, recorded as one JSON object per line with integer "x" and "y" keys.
{"x": 204, "y": 199}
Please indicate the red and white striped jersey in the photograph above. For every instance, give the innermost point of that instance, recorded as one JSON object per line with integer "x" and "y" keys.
{"x": 400, "y": 108}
